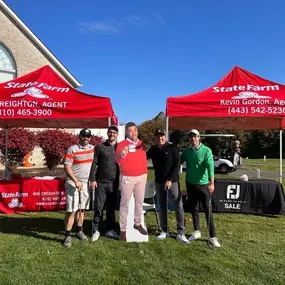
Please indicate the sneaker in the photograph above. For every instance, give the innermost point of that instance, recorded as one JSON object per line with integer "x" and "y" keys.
{"x": 112, "y": 234}
{"x": 81, "y": 236}
{"x": 67, "y": 241}
{"x": 95, "y": 236}
{"x": 213, "y": 241}
{"x": 195, "y": 235}
{"x": 141, "y": 229}
{"x": 182, "y": 238}
{"x": 163, "y": 236}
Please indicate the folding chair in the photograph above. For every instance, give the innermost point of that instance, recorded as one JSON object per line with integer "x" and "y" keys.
{"x": 150, "y": 195}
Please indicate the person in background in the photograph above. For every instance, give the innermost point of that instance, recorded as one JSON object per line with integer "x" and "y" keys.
{"x": 165, "y": 159}
{"x": 104, "y": 178}
{"x": 236, "y": 153}
{"x": 77, "y": 165}
{"x": 131, "y": 156}
{"x": 199, "y": 183}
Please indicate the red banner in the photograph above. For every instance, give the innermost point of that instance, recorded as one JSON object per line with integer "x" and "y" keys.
{"x": 28, "y": 195}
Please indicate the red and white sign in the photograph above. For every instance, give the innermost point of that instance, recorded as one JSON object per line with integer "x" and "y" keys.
{"x": 241, "y": 100}
{"x": 31, "y": 195}
{"x": 43, "y": 99}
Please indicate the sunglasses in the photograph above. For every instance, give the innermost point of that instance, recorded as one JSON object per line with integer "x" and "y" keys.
{"x": 86, "y": 136}
{"x": 112, "y": 133}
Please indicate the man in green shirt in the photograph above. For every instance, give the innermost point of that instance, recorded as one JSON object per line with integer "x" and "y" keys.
{"x": 199, "y": 183}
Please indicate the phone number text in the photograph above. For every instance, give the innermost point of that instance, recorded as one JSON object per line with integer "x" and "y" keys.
{"x": 25, "y": 112}
{"x": 256, "y": 110}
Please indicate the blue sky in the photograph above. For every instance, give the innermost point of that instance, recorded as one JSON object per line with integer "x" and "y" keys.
{"x": 140, "y": 52}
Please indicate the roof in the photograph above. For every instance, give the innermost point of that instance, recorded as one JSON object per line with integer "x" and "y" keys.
{"x": 37, "y": 42}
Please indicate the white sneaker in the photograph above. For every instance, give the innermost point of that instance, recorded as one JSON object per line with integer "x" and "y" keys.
{"x": 195, "y": 235}
{"x": 95, "y": 236}
{"x": 81, "y": 235}
{"x": 112, "y": 234}
{"x": 213, "y": 241}
{"x": 162, "y": 236}
{"x": 182, "y": 238}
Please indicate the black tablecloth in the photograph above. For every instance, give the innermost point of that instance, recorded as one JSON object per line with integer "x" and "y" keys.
{"x": 256, "y": 196}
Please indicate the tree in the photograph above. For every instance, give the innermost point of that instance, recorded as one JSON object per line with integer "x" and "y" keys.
{"x": 54, "y": 144}
{"x": 21, "y": 141}
{"x": 180, "y": 138}
{"x": 260, "y": 143}
{"x": 147, "y": 129}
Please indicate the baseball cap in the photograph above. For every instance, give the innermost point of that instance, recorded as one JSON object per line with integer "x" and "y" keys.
{"x": 160, "y": 132}
{"x": 85, "y": 132}
{"x": 193, "y": 131}
{"x": 113, "y": 128}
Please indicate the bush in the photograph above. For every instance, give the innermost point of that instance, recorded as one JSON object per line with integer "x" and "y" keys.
{"x": 96, "y": 140}
{"x": 21, "y": 141}
{"x": 54, "y": 144}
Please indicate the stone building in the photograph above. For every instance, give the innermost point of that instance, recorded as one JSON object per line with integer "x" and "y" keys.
{"x": 21, "y": 52}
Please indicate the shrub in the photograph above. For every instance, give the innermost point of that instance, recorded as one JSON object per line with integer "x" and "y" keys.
{"x": 21, "y": 141}
{"x": 96, "y": 140}
{"x": 54, "y": 144}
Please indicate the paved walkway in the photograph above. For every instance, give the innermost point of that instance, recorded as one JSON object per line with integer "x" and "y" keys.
{"x": 253, "y": 173}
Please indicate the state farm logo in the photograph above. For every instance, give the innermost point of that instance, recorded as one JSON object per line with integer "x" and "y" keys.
{"x": 32, "y": 87}
{"x": 33, "y": 92}
{"x": 233, "y": 192}
{"x": 15, "y": 203}
{"x": 249, "y": 94}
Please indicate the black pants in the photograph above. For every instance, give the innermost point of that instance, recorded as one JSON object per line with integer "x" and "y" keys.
{"x": 105, "y": 193}
{"x": 199, "y": 193}
{"x": 173, "y": 195}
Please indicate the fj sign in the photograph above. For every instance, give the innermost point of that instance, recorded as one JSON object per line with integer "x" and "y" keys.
{"x": 233, "y": 192}
{"x": 232, "y": 196}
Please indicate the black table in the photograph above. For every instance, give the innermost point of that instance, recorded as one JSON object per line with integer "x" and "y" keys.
{"x": 256, "y": 196}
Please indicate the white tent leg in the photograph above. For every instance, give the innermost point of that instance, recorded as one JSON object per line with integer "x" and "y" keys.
{"x": 109, "y": 121}
{"x": 7, "y": 174}
{"x": 167, "y": 128}
{"x": 281, "y": 166}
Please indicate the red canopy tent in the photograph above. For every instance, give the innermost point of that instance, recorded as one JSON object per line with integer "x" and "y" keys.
{"x": 43, "y": 99}
{"x": 241, "y": 100}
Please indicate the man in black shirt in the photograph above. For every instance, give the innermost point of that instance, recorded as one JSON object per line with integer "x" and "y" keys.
{"x": 104, "y": 178}
{"x": 165, "y": 159}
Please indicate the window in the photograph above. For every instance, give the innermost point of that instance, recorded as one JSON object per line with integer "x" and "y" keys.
{"x": 7, "y": 65}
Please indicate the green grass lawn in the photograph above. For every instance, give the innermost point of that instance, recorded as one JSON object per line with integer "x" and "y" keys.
{"x": 252, "y": 253}
{"x": 253, "y": 250}
{"x": 271, "y": 164}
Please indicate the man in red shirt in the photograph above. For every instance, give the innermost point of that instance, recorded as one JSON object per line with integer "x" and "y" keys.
{"x": 131, "y": 156}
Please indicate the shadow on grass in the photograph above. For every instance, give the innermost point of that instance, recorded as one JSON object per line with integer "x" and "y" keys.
{"x": 42, "y": 227}
{"x": 37, "y": 227}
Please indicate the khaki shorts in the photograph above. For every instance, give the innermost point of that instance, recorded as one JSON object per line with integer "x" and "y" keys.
{"x": 72, "y": 197}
